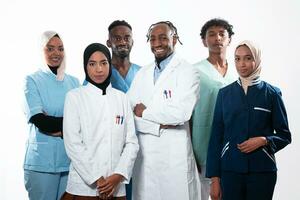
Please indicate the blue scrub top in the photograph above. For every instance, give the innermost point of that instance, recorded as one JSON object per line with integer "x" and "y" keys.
{"x": 45, "y": 94}
{"x": 117, "y": 80}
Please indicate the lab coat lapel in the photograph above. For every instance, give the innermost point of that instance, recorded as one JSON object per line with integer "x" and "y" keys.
{"x": 174, "y": 62}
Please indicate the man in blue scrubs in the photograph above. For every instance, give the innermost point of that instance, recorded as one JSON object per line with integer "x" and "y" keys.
{"x": 120, "y": 41}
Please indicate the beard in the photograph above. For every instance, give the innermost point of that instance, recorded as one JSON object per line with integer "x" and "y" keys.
{"x": 122, "y": 54}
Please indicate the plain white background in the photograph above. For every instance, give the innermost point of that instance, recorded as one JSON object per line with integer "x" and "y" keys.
{"x": 274, "y": 25}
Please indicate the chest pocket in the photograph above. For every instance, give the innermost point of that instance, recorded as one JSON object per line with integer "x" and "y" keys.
{"x": 262, "y": 116}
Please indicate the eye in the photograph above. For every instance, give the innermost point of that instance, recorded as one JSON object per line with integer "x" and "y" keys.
{"x": 152, "y": 39}
{"x": 61, "y": 49}
{"x": 127, "y": 38}
{"x": 50, "y": 49}
{"x": 249, "y": 58}
{"x": 91, "y": 64}
{"x": 236, "y": 58}
{"x": 117, "y": 38}
{"x": 105, "y": 63}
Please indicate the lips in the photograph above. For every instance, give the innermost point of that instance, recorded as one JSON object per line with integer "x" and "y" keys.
{"x": 158, "y": 51}
{"x": 218, "y": 45}
{"x": 55, "y": 59}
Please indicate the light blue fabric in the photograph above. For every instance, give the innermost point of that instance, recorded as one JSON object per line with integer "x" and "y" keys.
{"x": 45, "y": 94}
{"x": 210, "y": 83}
{"x": 45, "y": 186}
{"x": 117, "y": 80}
{"x": 119, "y": 83}
{"x": 162, "y": 66}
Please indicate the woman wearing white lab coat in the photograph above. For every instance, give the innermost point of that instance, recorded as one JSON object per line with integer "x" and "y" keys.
{"x": 165, "y": 167}
{"x": 99, "y": 132}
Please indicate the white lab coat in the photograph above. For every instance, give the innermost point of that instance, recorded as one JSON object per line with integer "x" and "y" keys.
{"x": 100, "y": 138}
{"x": 165, "y": 168}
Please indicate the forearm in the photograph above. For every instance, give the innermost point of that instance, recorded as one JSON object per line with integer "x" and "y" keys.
{"x": 47, "y": 124}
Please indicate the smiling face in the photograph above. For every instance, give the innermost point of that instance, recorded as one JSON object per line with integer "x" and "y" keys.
{"x": 54, "y": 52}
{"x": 216, "y": 39}
{"x": 120, "y": 41}
{"x": 162, "y": 41}
{"x": 244, "y": 61}
{"x": 98, "y": 67}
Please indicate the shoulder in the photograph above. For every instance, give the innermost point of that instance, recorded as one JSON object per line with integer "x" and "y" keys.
{"x": 118, "y": 95}
{"x": 229, "y": 87}
{"x": 37, "y": 74}
{"x": 71, "y": 78}
{"x": 201, "y": 64}
{"x": 272, "y": 90}
{"x": 135, "y": 66}
{"x": 73, "y": 93}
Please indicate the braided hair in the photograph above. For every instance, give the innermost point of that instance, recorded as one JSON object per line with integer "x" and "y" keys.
{"x": 169, "y": 24}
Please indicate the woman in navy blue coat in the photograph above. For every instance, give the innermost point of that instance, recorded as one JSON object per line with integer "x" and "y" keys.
{"x": 250, "y": 125}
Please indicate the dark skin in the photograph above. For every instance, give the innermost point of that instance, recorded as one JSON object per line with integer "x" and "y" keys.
{"x": 120, "y": 41}
{"x": 107, "y": 187}
{"x": 138, "y": 111}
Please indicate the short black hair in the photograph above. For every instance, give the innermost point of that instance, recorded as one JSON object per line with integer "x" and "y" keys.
{"x": 118, "y": 23}
{"x": 216, "y": 22}
{"x": 169, "y": 24}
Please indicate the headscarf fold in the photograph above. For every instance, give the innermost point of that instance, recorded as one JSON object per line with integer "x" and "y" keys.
{"x": 46, "y": 36}
{"x": 254, "y": 77}
{"x": 92, "y": 48}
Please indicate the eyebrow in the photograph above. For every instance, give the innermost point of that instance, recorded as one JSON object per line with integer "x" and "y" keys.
{"x": 104, "y": 60}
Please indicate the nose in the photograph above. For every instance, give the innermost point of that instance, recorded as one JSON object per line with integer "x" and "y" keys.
{"x": 155, "y": 43}
{"x": 57, "y": 51}
{"x": 218, "y": 37}
{"x": 99, "y": 67}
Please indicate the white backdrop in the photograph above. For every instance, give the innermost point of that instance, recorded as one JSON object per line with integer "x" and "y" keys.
{"x": 274, "y": 25}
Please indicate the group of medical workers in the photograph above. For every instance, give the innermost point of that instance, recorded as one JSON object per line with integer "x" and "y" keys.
{"x": 165, "y": 131}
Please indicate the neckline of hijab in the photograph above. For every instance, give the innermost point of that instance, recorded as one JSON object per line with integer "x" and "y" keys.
{"x": 254, "y": 77}
{"x": 90, "y": 49}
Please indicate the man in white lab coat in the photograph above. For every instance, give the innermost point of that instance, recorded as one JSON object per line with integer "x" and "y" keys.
{"x": 163, "y": 96}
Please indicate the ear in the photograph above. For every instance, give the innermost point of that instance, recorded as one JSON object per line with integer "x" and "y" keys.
{"x": 204, "y": 42}
{"x": 174, "y": 40}
{"x": 108, "y": 43}
{"x": 229, "y": 41}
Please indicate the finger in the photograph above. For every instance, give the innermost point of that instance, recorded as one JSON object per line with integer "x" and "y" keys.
{"x": 106, "y": 189}
{"x": 111, "y": 193}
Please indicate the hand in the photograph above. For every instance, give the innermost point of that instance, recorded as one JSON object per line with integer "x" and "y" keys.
{"x": 215, "y": 189}
{"x": 101, "y": 181}
{"x": 56, "y": 134}
{"x": 139, "y": 109}
{"x": 251, "y": 144}
{"x": 108, "y": 186}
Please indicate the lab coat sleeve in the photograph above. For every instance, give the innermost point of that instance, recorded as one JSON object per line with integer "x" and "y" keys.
{"x": 75, "y": 146}
{"x": 131, "y": 147}
{"x": 282, "y": 136}
{"x": 179, "y": 110}
{"x": 33, "y": 103}
{"x": 141, "y": 124}
{"x": 213, "y": 163}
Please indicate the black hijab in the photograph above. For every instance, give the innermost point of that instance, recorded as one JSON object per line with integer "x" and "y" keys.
{"x": 87, "y": 54}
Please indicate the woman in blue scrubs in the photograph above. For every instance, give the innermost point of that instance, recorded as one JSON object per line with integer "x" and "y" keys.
{"x": 46, "y": 164}
{"x": 250, "y": 125}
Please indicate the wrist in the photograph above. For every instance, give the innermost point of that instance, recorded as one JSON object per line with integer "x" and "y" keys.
{"x": 265, "y": 141}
